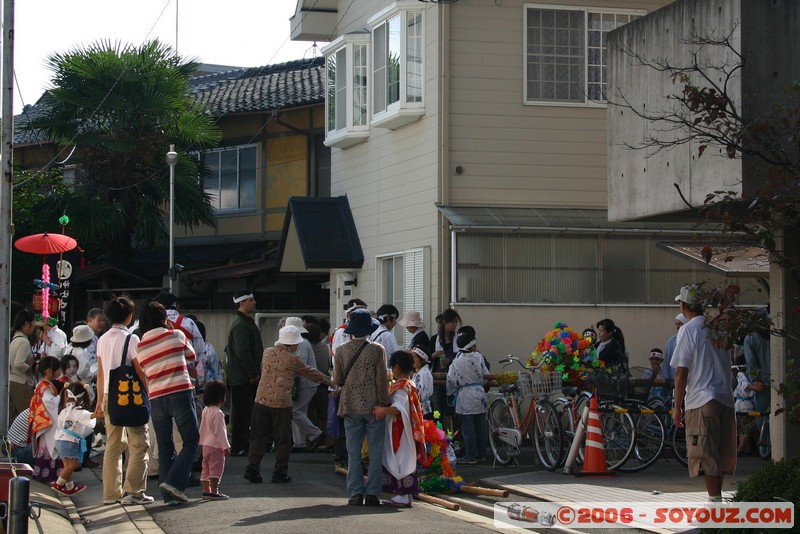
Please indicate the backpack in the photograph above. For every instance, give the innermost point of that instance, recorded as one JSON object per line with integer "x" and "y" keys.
{"x": 128, "y": 403}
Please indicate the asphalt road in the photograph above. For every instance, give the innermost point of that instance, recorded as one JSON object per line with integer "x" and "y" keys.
{"x": 315, "y": 501}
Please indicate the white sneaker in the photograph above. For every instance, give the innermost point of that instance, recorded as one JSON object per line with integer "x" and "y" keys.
{"x": 173, "y": 492}
{"x": 133, "y": 498}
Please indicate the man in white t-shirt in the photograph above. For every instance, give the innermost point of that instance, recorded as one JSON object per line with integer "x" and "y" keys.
{"x": 703, "y": 390}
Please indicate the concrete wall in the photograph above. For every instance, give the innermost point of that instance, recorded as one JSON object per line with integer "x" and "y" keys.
{"x": 218, "y": 324}
{"x": 503, "y": 330}
{"x": 640, "y": 181}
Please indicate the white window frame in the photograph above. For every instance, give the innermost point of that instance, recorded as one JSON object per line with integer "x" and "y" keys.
{"x": 416, "y": 283}
{"x": 216, "y": 203}
{"x": 355, "y": 129}
{"x": 585, "y": 10}
{"x": 406, "y": 109}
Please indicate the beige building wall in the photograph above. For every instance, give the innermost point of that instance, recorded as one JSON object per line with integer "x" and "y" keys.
{"x": 515, "y": 154}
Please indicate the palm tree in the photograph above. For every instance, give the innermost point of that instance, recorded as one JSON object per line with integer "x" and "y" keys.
{"x": 121, "y": 107}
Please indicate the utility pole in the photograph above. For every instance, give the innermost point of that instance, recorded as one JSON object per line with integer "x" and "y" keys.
{"x": 6, "y": 195}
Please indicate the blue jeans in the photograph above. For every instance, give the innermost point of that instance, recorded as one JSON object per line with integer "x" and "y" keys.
{"x": 172, "y": 469}
{"x": 473, "y": 429}
{"x": 356, "y": 426}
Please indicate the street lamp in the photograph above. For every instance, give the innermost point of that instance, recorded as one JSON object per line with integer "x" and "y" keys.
{"x": 172, "y": 159}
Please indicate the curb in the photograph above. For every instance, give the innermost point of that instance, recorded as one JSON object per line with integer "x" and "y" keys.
{"x": 72, "y": 513}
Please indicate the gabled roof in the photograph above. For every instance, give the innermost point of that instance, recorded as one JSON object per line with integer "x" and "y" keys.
{"x": 240, "y": 90}
{"x": 319, "y": 233}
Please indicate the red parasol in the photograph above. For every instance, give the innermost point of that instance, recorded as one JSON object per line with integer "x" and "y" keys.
{"x": 46, "y": 243}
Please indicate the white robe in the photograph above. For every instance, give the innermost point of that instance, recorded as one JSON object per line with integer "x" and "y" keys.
{"x": 402, "y": 463}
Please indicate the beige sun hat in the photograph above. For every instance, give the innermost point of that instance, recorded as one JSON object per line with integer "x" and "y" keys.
{"x": 82, "y": 333}
{"x": 412, "y": 318}
{"x": 298, "y": 322}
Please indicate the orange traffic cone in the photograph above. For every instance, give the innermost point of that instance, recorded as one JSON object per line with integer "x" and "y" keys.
{"x": 594, "y": 464}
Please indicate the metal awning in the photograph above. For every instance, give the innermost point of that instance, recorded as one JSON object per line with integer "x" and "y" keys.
{"x": 553, "y": 220}
{"x": 728, "y": 259}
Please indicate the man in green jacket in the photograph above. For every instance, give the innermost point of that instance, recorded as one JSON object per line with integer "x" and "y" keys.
{"x": 243, "y": 369}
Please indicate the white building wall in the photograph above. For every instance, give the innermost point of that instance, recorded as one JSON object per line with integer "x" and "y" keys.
{"x": 391, "y": 180}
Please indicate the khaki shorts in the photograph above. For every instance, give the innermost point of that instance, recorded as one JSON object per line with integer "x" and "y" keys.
{"x": 711, "y": 440}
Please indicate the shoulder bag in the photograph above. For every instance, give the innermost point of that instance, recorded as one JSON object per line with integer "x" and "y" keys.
{"x": 128, "y": 403}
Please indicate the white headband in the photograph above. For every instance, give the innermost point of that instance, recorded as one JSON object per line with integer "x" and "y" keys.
{"x": 72, "y": 396}
{"x": 237, "y": 300}
{"x": 421, "y": 353}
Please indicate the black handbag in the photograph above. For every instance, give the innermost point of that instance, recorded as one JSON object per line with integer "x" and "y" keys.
{"x": 128, "y": 403}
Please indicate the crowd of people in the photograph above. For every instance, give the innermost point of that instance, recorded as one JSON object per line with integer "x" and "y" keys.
{"x": 353, "y": 391}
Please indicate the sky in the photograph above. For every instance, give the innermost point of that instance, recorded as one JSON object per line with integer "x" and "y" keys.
{"x": 242, "y": 33}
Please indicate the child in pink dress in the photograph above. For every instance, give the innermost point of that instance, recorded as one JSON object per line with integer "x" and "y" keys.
{"x": 213, "y": 439}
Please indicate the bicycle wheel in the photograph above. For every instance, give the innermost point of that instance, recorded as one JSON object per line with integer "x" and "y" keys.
{"x": 562, "y": 406}
{"x": 650, "y": 437}
{"x": 764, "y": 443}
{"x": 499, "y": 417}
{"x": 548, "y": 435}
{"x": 679, "y": 444}
{"x": 619, "y": 435}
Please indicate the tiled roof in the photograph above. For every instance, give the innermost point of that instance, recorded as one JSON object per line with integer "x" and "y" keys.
{"x": 22, "y": 135}
{"x": 274, "y": 87}
{"x": 245, "y": 90}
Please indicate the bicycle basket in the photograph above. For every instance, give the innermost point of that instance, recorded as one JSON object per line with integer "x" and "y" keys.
{"x": 613, "y": 385}
{"x": 641, "y": 382}
{"x": 524, "y": 383}
{"x": 545, "y": 383}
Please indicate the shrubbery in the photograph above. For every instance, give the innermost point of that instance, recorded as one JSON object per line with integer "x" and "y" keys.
{"x": 775, "y": 481}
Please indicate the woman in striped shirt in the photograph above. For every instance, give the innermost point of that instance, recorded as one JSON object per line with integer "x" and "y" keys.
{"x": 164, "y": 354}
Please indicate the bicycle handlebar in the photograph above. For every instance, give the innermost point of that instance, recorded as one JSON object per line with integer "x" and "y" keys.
{"x": 511, "y": 358}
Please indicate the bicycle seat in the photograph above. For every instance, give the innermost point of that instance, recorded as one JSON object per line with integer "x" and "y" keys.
{"x": 569, "y": 391}
{"x": 508, "y": 388}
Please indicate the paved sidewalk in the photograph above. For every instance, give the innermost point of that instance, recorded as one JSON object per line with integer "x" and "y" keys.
{"x": 667, "y": 481}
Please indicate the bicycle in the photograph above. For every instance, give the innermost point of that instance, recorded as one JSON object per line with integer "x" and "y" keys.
{"x": 508, "y": 423}
{"x": 649, "y": 437}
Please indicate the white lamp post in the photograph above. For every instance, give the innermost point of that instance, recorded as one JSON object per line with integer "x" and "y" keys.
{"x": 172, "y": 159}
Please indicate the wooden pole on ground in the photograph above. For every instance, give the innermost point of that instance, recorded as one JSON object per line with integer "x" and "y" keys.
{"x": 477, "y": 490}
{"x": 430, "y": 499}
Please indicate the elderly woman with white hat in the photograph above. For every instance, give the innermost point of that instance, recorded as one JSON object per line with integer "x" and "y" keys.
{"x": 412, "y": 321}
{"x": 272, "y": 413}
